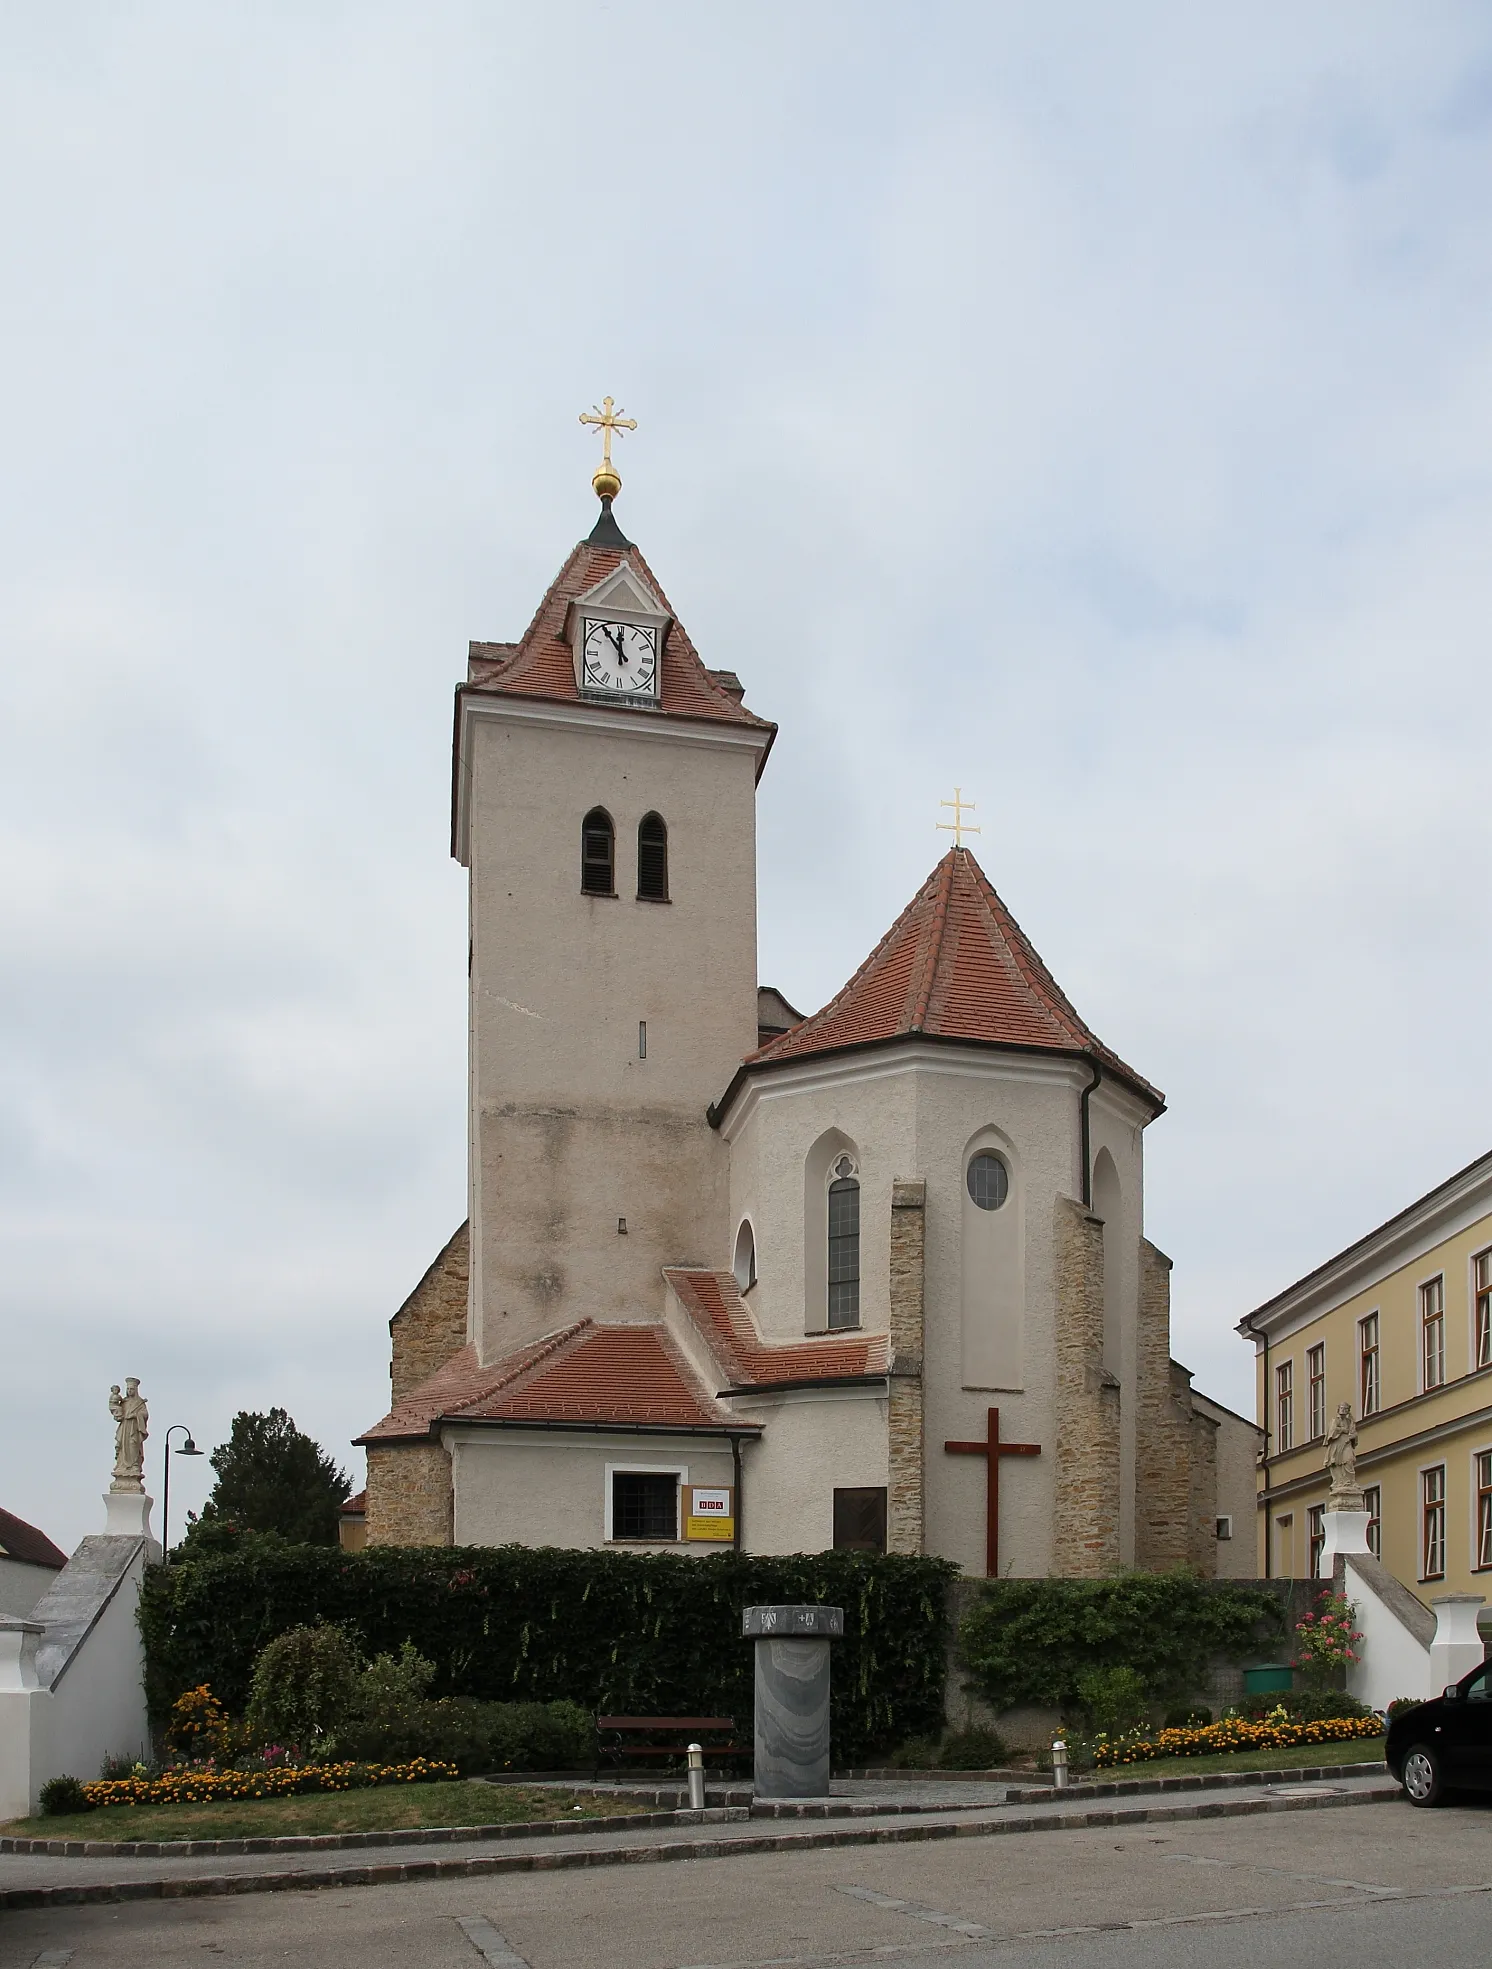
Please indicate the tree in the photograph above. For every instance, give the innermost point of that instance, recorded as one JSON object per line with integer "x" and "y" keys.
{"x": 271, "y": 1478}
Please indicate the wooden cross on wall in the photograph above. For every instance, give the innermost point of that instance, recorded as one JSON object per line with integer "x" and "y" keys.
{"x": 992, "y": 1449}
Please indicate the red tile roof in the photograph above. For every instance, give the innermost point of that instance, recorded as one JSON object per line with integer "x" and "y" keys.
{"x": 355, "y": 1507}
{"x": 543, "y": 665}
{"x": 954, "y": 965}
{"x": 713, "y": 1301}
{"x": 27, "y": 1545}
{"x": 583, "y": 1373}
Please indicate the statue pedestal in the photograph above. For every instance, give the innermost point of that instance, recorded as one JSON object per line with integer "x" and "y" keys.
{"x": 127, "y": 1515}
{"x": 1346, "y": 1532}
{"x": 792, "y": 1698}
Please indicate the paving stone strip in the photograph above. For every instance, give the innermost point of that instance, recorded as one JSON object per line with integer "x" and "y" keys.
{"x": 731, "y": 1839}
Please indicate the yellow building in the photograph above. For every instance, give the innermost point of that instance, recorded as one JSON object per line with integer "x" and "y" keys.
{"x": 1399, "y": 1325}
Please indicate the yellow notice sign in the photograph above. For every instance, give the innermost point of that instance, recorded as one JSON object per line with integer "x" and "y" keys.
{"x": 711, "y": 1513}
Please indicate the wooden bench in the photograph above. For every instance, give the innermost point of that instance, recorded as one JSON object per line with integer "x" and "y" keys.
{"x": 622, "y": 1737}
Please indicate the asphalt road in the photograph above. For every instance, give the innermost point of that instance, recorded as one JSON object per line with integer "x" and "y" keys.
{"x": 1359, "y": 1886}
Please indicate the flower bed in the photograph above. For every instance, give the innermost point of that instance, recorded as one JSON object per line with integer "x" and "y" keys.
{"x": 208, "y": 1787}
{"x": 1276, "y": 1732}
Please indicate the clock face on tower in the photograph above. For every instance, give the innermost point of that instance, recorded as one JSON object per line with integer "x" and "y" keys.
{"x": 621, "y": 657}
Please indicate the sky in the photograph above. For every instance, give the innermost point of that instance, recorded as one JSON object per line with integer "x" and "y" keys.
{"x": 1088, "y": 407}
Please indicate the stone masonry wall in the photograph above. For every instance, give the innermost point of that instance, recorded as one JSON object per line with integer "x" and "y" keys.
{"x": 409, "y": 1494}
{"x": 904, "y": 1501}
{"x": 1085, "y": 1537}
{"x": 1164, "y": 1436}
{"x": 431, "y": 1324}
{"x": 1201, "y": 1530}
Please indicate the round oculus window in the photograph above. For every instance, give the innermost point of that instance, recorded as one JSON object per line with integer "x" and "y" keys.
{"x": 988, "y": 1180}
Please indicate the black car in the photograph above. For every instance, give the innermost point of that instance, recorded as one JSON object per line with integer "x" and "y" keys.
{"x": 1445, "y": 1745}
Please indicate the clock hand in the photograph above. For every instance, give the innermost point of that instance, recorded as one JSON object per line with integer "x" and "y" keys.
{"x": 621, "y": 654}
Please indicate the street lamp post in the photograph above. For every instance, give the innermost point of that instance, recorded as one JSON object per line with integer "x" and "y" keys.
{"x": 188, "y": 1448}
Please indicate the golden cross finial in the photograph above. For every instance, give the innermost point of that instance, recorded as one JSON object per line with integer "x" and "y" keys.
{"x": 958, "y": 827}
{"x": 607, "y": 480}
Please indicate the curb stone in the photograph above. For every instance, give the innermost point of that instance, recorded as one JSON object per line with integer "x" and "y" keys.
{"x": 214, "y": 1885}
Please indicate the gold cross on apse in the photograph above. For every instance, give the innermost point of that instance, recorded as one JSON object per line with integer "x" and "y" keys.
{"x": 958, "y": 827}
{"x": 607, "y": 419}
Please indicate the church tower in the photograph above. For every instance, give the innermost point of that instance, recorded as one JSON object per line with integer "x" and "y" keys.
{"x": 604, "y": 803}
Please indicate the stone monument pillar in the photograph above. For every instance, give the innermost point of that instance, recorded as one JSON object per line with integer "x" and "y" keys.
{"x": 792, "y": 1697}
{"x": 1344, "y": 1521}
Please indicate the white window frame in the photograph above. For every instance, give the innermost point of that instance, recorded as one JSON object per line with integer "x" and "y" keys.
{"x": 1284, "y": 1407}
{"x": 660, "y": 1469}
{"x": 1316, "y": 1392}
{"x": 1478, "y": 1564}
{"x": 1315, "y": 1539}
{"x": 1364, "y": 1354}
{"x": 1426, "y": 1576}
{"x": 1375, "y": 1518}
{"x": 1426, "y": 1321}
{"x": 1480, "y": 1258}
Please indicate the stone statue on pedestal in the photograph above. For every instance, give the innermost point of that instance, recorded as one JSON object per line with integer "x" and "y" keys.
{"x": 131, "y": 1416}
{"x": 1344, "y": 1493}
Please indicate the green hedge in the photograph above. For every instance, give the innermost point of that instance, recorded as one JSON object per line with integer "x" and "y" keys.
{"x": 1032, "y": 1640}
{"x": 640, "y": 1634}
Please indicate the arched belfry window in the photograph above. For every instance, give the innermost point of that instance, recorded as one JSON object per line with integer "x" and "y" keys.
{"x": 597, "y": 854}
{"x": 744, "y": 1265}
{"x": 844, "y": 1244}
{"x": 652, "y": 859}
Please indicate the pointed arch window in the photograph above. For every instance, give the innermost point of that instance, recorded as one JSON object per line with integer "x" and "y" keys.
{"x": 844, "y": 1244}
{"x": 652, "y": 859}
{"x": 597, "y": 854}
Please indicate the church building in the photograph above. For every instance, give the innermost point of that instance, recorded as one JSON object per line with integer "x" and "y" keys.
{"x": 873, "y": 1278}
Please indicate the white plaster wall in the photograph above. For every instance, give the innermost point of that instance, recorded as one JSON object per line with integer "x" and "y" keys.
{"x": 98, "y": 1701}
{"x": 571, "y": 1130}
{"x": 521, "y": 1487}
{"x": 816, "y": 1441}
{"x": 1392, "y": 1663}
{"x": 21, "y": 1586}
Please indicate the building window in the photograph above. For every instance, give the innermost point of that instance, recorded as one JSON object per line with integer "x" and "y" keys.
{"x": 1284, "y": 1529}
{"x": 988, "y": 1180}
{"x": 652, "y": 859}
{"x": 1484, "y": 1510}
{"x": 1316, "y": 1390}
{"x": 1481, "y": 1286}
{"x": 844, "y": 1245}
{"x": 1316, "y": 1531}
{"x": 1372, "y": 1503}
{"x": 1432, "y": 1330}
{"x": 1432, "y": 1511}
{"x": 645, "y": 1505}
{"x": 1284, "y": 1389}
{"x": 597, "y": 854}
{"x": 860, "y": 1519}
{"x": 745, "y": 1259}
{"x": 1369, "y": 1393}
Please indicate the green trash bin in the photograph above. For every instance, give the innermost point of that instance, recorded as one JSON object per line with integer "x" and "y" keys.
{"x": 1273, "y": 1680}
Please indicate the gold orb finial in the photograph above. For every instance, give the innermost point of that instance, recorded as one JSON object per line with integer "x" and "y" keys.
{"x": 606, "y": 480}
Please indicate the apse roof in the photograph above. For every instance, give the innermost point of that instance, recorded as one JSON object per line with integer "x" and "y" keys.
{"x": 956, "y": 966}
{"x": 714, "y": 1302}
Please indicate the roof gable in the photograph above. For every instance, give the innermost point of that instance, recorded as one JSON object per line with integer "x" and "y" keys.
{"x": 955, "y": 965}
{"x": 542, "y": 663}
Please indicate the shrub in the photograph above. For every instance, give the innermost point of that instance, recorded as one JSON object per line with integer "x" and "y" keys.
{"x": 1188, "y": 1717}
{"x": 972, "y": 1750}
{"x": 1326, "y": 1641}
{"x": 199, "y": 1726}
{"x": 642, "y": 1634}
{"x": 303, "y": 1686}
{"x": 123, "y": 1764}
{"x": 1029, "y": 1640}
{"x": 916, "y": 1754}
{"x": 1314, "y": 1705}
{"x": 1114, "y": 1699}
{"x": 63, "y": 1795}
{"x": 1400, "y": 1704}
{"x": 477, "y": 1736}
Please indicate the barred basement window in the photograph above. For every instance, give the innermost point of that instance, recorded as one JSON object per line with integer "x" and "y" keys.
{"x": 844, "y": 1245}
{"x": 645, "y": 1505}
{"x": 652, "y": 859}
{"x": 597, "y": 854}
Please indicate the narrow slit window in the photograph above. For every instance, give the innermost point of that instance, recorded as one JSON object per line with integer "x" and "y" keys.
{"x": 597, "y": 854}
{"x": 652, "y": 859}
{"x": 844, "y": 1245}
